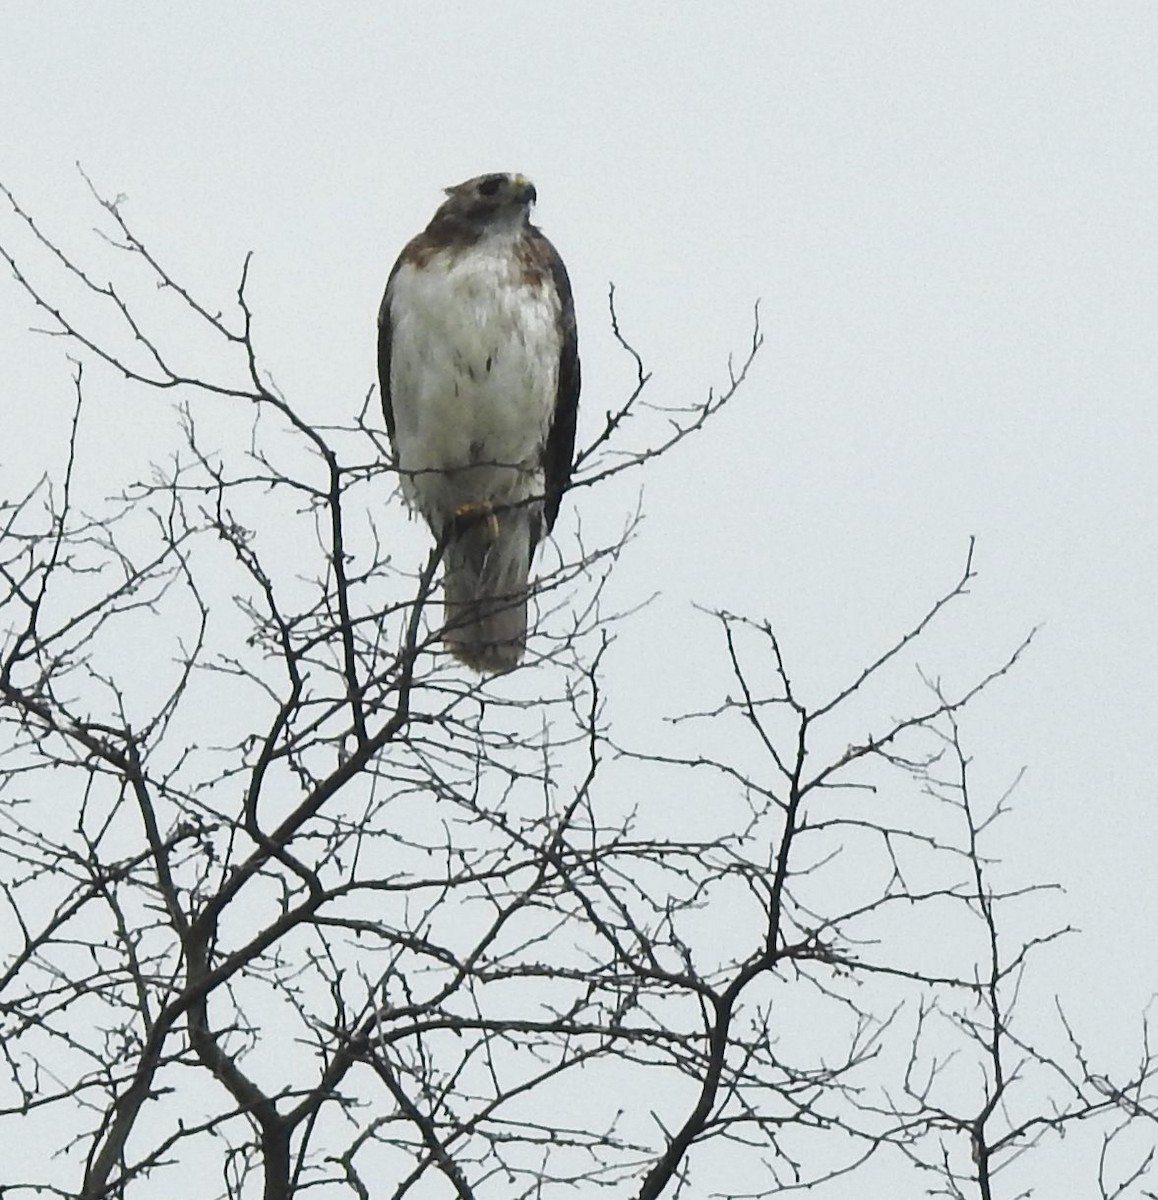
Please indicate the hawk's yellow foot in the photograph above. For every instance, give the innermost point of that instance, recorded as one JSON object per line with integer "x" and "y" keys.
{"x": 476, "y": 513}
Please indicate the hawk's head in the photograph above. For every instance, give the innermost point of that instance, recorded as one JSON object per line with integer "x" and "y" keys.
{"x": 487, "y": 202}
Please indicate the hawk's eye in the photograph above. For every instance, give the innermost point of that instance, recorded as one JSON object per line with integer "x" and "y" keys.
{"x": 490, "y": 185}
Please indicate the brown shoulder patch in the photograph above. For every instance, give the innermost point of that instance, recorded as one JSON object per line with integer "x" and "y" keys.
{"x": 533, "y": 253}
{"x": 420, "y": 250}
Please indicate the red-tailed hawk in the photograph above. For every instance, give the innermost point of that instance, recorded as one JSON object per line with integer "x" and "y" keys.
{"x": 479, "y": 368}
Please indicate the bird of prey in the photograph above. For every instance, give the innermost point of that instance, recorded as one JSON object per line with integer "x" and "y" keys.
{"x": 479, "y": 369}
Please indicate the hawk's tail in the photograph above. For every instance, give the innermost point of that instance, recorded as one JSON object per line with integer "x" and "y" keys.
{"x": 486, "y": 566}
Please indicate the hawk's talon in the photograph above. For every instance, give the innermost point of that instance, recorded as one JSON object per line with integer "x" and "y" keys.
{"x": 474, "y": 512}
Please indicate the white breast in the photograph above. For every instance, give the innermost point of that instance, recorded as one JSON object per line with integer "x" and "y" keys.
{"x": 473, "y": 377}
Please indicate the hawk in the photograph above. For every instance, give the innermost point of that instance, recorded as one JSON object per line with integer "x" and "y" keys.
{"x": 479, "y": 369}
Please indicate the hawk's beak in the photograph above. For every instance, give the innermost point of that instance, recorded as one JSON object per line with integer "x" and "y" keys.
{"x": 527, "y": 193}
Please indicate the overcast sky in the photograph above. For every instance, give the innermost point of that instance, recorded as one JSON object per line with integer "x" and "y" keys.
{"x": 947, "y": 213}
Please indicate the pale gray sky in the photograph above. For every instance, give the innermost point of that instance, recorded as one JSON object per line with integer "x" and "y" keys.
{"x": 948, "y": 212}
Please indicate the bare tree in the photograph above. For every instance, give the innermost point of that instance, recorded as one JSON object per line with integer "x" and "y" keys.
{"x": 294, "y": 904}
